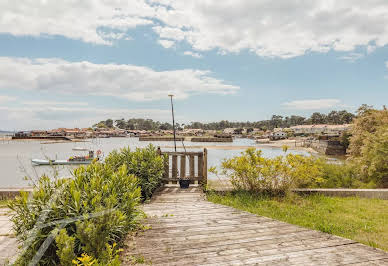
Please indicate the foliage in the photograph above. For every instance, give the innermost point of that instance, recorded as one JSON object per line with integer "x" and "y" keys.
{"x": 369, "y": 145}
{"x": 374, "y": 157}
{"x": 340, "y": 175}
{"x": 104, "y": 124}
{"x": 360, "y": 219}
{"x": 146, "y": 164}
{"x": 85, "y": 214}
{"x": 143, "y": 124}
{"x": 252, "y": 172}
{"x": 66, "y": 247}
{"x": 334, "y": 117}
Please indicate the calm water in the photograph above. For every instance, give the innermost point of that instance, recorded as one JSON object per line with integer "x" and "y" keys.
{"x": 15, "y": 156}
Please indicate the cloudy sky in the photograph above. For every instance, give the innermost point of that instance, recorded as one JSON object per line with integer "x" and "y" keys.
{"x": 72, "y": 63}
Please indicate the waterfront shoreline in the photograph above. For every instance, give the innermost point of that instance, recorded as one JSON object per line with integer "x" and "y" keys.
{"x": 276, "y": 145}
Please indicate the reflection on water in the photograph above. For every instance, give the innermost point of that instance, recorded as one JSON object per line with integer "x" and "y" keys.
{"x": 15, "y": 156}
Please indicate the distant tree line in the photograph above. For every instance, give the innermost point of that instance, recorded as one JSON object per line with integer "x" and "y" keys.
{"x": 334, "y": 117}
{"x": 136, "y": 124}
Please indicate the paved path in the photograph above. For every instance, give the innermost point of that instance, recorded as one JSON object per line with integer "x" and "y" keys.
{"x": 188, "y": 230}
{"x": 8, "y": 244}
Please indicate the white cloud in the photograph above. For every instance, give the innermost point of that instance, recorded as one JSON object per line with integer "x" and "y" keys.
{"x": 123, "y": 81}
{"x": 313, "y": 104}
{"x": 193, "y": 54}
{"x": 370, "y": 49}
{"x": 166, "y": 43}
{"x": 54, "y": 103}
{"x": 352, "y": 57}
{"x": 283, "y": 28}
{"x": 80, "y": 20}
{"x": 48, "y": 117}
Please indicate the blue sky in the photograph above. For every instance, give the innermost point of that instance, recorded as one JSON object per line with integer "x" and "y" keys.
{"x": 69, "y": 64}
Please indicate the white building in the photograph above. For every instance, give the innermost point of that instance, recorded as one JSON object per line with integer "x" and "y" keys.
{"x": 278, "y": 135}
{"x": 320, "y": 129}
{"x": 228, "y": 131}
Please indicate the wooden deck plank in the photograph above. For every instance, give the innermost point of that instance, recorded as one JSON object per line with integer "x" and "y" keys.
{"x": 188, "y": 230}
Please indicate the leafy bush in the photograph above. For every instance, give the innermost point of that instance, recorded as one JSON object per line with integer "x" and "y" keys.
{"x": 252, "y": 172}
{"x": 343, "y": 175}
{"x": 374, "y": 157}
{"x": 368, "y": 147}
{"x": 86, "y": 214}
{"x": 146, "y": 164}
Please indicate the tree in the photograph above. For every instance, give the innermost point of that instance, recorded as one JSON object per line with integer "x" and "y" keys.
{"x": 276, "y": 121}
{"x": 367, "y": 122}
{"x": 345, "y": 117}
{"x": 109, "y": 123}
{"x": 120, "y": 123}
{"x": 100, "y": 124}
{"x": 369, "y": 144}
{"x": 333, "y": 118}
{"x": 318, "y": 118}
{"x": 374, "y": 157}
{"x": 339, "y": 117}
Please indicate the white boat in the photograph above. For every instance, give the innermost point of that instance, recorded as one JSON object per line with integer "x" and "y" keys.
{"x": 72, "y": 160}
{"x": 59, "y": 162}
{"x": 80, "y": 149}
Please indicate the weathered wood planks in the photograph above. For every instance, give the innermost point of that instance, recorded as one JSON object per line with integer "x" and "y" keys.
{"x": 188, "y": 230}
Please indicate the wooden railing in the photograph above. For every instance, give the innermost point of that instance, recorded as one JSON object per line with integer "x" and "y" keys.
{"x": 191, "y": 165}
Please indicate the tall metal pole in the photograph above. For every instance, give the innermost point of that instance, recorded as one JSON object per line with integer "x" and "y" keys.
{"x": 173, "y": 120}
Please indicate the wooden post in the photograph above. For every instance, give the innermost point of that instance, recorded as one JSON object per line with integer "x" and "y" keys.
{"x": 204, "y": 168}
{"x": 183, "y": 166}
{"x": 159, "y": 151}
{"x": 200, "y": 168}
{"x": 192, "y": 166}
{"x": 174, "y": 166}
{"x": 167, "y": 167}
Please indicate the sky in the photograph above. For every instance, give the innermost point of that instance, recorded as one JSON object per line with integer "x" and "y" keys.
{"x": 73, "y": 63}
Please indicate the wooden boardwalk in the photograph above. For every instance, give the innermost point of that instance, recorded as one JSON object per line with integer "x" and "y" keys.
{"x": 8, "y": 242}
{"x": 185, "y": 229}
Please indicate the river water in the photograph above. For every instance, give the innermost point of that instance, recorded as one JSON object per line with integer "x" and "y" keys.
{"x": 15, "y": 156}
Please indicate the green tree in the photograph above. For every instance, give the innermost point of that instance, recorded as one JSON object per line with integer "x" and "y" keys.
{"x": 318, "y": 118}
{"x": 369, "y": 144}
{"x": 374, "y": 156}
{"x": 109, "y": 123}
{"x": 120, "y": 123}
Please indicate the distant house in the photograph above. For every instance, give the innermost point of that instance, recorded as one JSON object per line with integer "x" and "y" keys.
{"x": 192, "y": 132}
{"x": 228, "y": 131}
{"x": 278, "y": 135}
{"x": 320, "y": 129}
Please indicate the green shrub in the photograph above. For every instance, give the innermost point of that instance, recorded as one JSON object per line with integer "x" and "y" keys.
{"x": 86, "y": 214}
{"x": 146, "y": 164}
{"x": 340, "y": 175}
{"x": 252, "y": 172}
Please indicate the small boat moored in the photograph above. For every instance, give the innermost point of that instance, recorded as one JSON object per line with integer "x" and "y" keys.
{"x": 71, "y": 161}
{"x": 80, "y": 149}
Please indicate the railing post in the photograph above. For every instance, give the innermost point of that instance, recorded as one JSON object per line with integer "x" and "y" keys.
{"x": 200, "y": 168}
{"x": 174, "y": 166}
{"x": 204, "y": 168}
{"x": 183, "y": 166}
{"x": 192, "y": 174}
